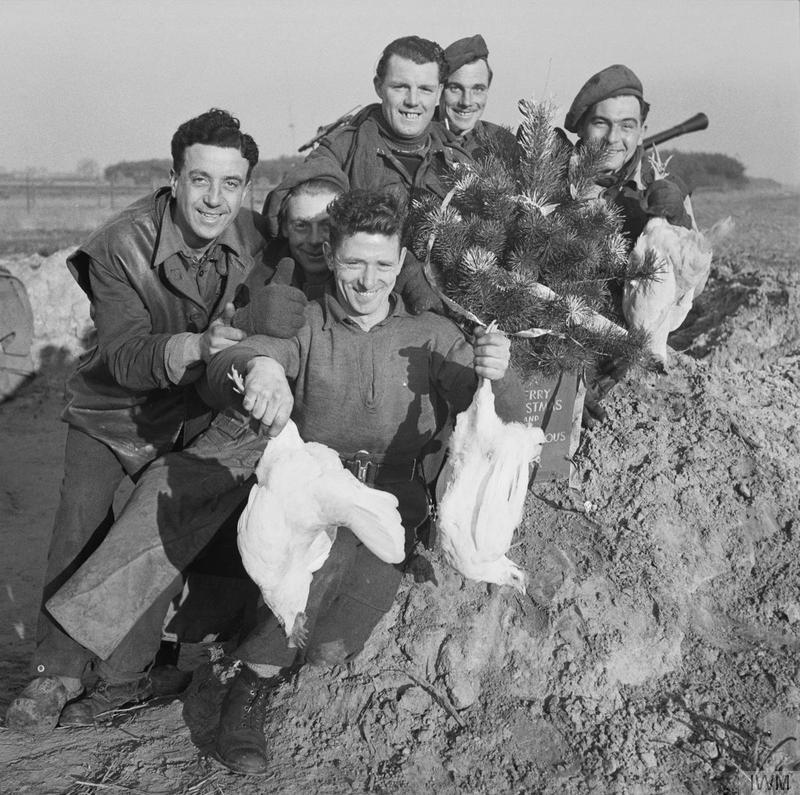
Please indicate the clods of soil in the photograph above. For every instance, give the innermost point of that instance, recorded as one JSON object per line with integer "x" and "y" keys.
{"x": 656, "y": 649}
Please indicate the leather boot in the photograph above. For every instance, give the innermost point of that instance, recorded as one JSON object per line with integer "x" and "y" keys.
{"x": 103, "y": 699}
{"x": 241, "y": 745}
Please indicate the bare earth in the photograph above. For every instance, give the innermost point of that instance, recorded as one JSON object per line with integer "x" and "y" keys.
{"x": 656, "y": 652}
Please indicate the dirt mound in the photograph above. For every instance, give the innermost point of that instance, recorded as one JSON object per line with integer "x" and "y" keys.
{"x": 63, "y": 328}
{"x": 656, "y": 650}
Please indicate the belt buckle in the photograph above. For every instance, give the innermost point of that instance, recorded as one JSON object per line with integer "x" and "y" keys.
{"x": 361, "y": 460}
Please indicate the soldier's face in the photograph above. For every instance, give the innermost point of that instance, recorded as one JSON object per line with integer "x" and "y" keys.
{"x": 365, "y": 268}
{"x": 465, "y": 94}
{"x": 208, "y": 191}
{"x": 618, "y": 121}
{"x": 305, "y": 226}
{"x": 409, "y": 94}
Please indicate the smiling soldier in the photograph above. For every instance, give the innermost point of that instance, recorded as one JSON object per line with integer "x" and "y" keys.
{"x": 611, "y": 107}
{"x": 296, "y": 220}
{"x": 161, "y": 277}
{"x": 466, "y": 89}
{"x": 393, "y": 145}
{"x": 388, "y": 415}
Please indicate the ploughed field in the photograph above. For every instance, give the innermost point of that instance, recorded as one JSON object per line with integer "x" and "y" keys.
{"x": 656, "y": 651}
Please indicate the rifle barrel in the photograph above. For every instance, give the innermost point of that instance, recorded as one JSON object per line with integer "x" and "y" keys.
{"x": 697, "y": 122}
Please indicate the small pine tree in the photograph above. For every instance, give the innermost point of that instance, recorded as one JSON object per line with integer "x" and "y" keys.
{"x": 517, "y": 241}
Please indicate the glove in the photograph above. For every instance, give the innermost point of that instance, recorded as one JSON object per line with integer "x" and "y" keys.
{"x": 277, "y": 309}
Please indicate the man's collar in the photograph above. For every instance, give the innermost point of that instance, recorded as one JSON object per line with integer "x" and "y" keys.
{"x": 630, "y": 172}
{"x": 170, "y": 239}
{"x": 460, "y": 136}
{"x": 333, "y": 312}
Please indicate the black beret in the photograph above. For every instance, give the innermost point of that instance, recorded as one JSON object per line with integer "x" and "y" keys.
{"x": 465, "y": 51}
{"x": 613, "y": 81}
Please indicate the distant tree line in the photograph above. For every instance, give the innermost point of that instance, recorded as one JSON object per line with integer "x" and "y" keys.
{"x": 705, "y": 169}
{"x": 156, "y": 172}
{"x": 697, "y": 169}
{"x": 138, "y": 172}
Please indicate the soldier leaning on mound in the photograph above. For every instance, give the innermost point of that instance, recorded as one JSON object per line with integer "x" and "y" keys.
{"x": 161, "y": 277}
{"x": 393, "y": 144}
{"x": 466, "y": 89}
{"x": 611, "y": 107}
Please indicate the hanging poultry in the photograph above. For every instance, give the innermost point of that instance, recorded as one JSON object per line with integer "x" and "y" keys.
{"x": 481, "y": 490}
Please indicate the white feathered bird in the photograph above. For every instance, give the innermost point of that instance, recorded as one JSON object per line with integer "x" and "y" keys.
{"x": 285, "y": 533}
{"x": 660, "y": 304}
{"x": 482, "y": 488}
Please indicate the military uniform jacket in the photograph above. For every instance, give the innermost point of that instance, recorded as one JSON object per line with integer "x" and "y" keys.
{"x": 121, "y": 393}
{"x": 365, "y": 157}
{"x": 474, "y": 141}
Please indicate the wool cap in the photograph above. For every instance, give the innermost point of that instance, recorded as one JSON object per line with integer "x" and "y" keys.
{"x": 314, "y": 168}
{"x": 465, "y": 51}
{"x": 613, "y": 81}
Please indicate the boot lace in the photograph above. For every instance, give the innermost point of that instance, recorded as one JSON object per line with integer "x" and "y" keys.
{"x": 253, "y": 714}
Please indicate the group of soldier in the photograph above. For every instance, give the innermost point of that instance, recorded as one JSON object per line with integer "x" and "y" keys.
{"x": 317, "y": 304}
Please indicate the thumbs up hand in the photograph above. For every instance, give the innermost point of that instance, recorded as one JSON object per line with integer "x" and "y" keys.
{"x": 277, "y": 309}
{"x": 218, "y": 336}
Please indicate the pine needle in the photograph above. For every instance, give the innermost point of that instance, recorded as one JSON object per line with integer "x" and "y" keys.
{"x": 516, "y": 220}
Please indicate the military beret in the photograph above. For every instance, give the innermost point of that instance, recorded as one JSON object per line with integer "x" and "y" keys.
{"x": 613, "y": 81}
{"x": 465, "y": 51}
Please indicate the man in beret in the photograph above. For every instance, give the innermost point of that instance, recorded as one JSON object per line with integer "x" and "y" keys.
{"x": 611, "y": 107}
{"x": 466, "y": 89}
{"x": 392, "y": 145}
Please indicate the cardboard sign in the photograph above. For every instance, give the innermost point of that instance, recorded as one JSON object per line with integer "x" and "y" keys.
{"x": 554, "y": 404}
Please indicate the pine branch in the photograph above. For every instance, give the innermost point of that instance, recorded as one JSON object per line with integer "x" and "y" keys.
{"x": 521, "y": 242}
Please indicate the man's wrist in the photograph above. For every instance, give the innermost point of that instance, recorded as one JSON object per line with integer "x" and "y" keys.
{"x": 192, "y": 349}
{"x": 181, "y": 355}
{"x": 264, "y": 361}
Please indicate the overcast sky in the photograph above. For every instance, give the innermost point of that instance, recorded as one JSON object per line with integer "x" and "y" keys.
{"x": 112, "y": 79}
